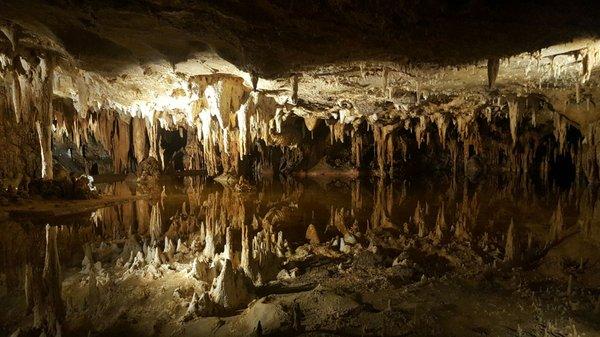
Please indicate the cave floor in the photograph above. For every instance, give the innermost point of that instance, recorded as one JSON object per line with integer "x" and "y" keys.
{"x": 396, "y": 274}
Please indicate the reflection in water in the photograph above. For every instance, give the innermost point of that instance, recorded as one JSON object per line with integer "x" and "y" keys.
{"x": 222, "y": 236}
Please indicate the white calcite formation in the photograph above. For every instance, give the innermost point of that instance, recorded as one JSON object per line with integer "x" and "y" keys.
{"x": 224, "y": 120}
{"x": 230, "y": 288}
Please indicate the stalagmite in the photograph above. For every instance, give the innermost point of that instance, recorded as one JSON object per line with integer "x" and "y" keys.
{"x": 192, "y": 308}
{"x": 201, "y": 306}
{"x": 88, "y": 261}
{"x": 209, "y": 244}
{"x": 312, "y": 236}
{"x": 181, "y": 247}
{"x": 169, "y": 248}
{"x": 344, "y": 248}
{"x": 229, "y": 289}
{"x": 201, "y": 270}
{"x": 92, "y": 295}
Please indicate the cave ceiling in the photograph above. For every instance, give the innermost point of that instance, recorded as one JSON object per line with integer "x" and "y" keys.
{"x": 370, "y": 60}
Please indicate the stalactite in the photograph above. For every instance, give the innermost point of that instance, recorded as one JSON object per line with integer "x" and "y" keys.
{"x": 295, "y": 88}
{"x": 384, "y": 83}
{"x": 337, "y": 132}
{"x": 44, "y": 115}
{"x": 152, "y": 131}
{"x": 254, "y": 80}
{"x": 356, "y": 194}
{"x": 420, "y": 130}
{"x": 82, "y": 104}
{"x": 161, "y": 155}
{"x": 560, "y": 131}
{"x": 356, "y": 147}
{"x": 120, "y": 145}
{"x": 515, "y": 117}
{"x": 311, "y": 122}
{"x": 441, "y": 123}
{"x": 493, "y": 65}
{"x": 384, "y": 146}
{"x": 16, "y": 93}
{"x": 590, "y": 60}
{"x": 140, "y": 143}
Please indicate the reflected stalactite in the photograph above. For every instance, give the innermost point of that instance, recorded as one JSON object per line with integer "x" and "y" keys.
{"x": 384, "y": 147}
{"x": 419, "y": 220}
{"x": 440, "y": 225}
{"x": 204, "y": 227}
{"x": 382, "y": 207}
{"x": 155, "y": 225}
{"x": 511, "y": 249}
{"x": 467, "y": 212}
{"x": 53, "y": 312}
{"x": 557, "y": 223}
{"x": 356, "y": 196}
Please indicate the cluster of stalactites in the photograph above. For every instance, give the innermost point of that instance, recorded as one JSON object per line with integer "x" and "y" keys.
{"x": 28, "y": 88}
{"x": 125, "y": 138}
{"x": 28, "y": 92}
{"x": 226, "y": 121}
{"x": 517, "y": 153}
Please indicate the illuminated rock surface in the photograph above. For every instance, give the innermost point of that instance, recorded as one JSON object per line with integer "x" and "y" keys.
{"x": 193, "y": 168}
